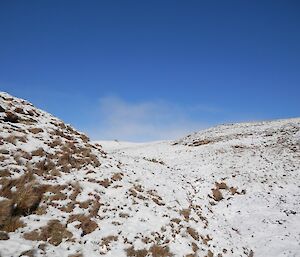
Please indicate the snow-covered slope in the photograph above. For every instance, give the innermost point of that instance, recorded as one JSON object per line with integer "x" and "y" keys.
{"x": 238, "y": 184}
{"x": 227, "y": 191}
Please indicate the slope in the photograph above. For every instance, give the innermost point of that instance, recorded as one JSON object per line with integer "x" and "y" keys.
{"x": 228, "y": 191}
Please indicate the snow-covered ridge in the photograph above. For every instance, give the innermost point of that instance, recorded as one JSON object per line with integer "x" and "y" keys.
{"x": 230, "y": 190}
{"x": 237, "y": 131}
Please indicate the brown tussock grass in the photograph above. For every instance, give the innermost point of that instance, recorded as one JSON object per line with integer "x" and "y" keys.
{"x": 11, "y": 117}
{"x": 95, "y": 207}
{"x": 6, "y": 208}
{"x": 221, "y": 185}
{"x": 106, "y": 241}
{"x": 38, "y": 152}
{"x": 22, "y": 202}
{"x": 186, "y": 213}
{"x": 35, "y": 130}
{"x": 86, "y": 224}
{"x": 105, "y": 182}
{"x": 217, "y": 194}
{"x": 206, "y": 239}
{"x": 27, "y": 199}
{"x": 160, "y": 251}
{"x": 209, "y": 254}
{"x": 131, "y": 252}
{"x": 54, "y": 233}
{"x": 117, "y": 176}
{"x": 193, "y": 233}
{"x": 4, "y": 173}
{"x": 12, "y": 224}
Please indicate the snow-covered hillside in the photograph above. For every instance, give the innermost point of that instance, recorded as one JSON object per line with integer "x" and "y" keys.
{"x": 232, "y": 190}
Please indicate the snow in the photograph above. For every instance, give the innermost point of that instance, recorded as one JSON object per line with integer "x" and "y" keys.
{"x": 165, "y": 190}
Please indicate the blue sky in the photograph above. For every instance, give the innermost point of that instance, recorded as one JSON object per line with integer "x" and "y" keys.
{"x": 147, "y": 70}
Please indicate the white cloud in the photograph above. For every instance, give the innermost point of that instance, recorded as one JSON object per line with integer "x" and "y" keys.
{"x": 143, "y": 121}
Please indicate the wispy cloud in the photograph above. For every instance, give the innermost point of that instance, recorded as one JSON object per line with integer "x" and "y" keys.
{"x": 145, "y": 121}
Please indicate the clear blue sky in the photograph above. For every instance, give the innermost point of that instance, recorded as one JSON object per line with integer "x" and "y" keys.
{"x": 144, "y": 70}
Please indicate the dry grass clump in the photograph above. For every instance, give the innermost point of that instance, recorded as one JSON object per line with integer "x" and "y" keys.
{"x": 160, "y": 251}
{"x": 200, "y": 142}
{"x": 193, "y": 233}
{"x": 70, "y": 156}
{"x": 217, "y": 194}
{"x": 41, "y": 210}
{"x": 55, "y": 142}
{"x": 43, "y": 167}
{"x": 32, "y": 113}
{"x": 131, "y": 252}
{"x": 11, "y": 139}
{"x": 25, "y": 155}
{"x": 4, "y": 173}
{"x": 27, "y": 199}
{"x": 38, "y": 152}
{"x": 8, "y": 222}
{"x": 86, "y": 224}
{"x": 35, "y": 130}
{"x": 195, "y": 247}
{"x": 233, "y": 190}
{"x": 221, "y": 185}
{"x": 206, "y": 239}
{"x": 69, "y": 207}
{"x": 95, "y": 207}
{"x": 84, "y": 138}
{"x": 54, "y": 233}
{"x": 117, "y": 176}
{"x": 154, "y": 161}
{"x": 60, "y": 133}
{"x": 12, "y": 224}
{"x": 19, "y": 110}
{"x": 11, "y": 117}
{"x": 106, "y": 242}
{"x": 6, "y": 208}
{"x": 85, "y": 204}
{"x": 7, "y": 184}
{"x": 186, "y": 213}
{"x": 76, "y": 190}
{"x": 105, "y": 182}
{"x": 22, "y": 201}
{"x": 158, "y": 201}
{"x": 209, "y": 254}
{"x": 155, "y": 197}
{"x": 176, "y": 220}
